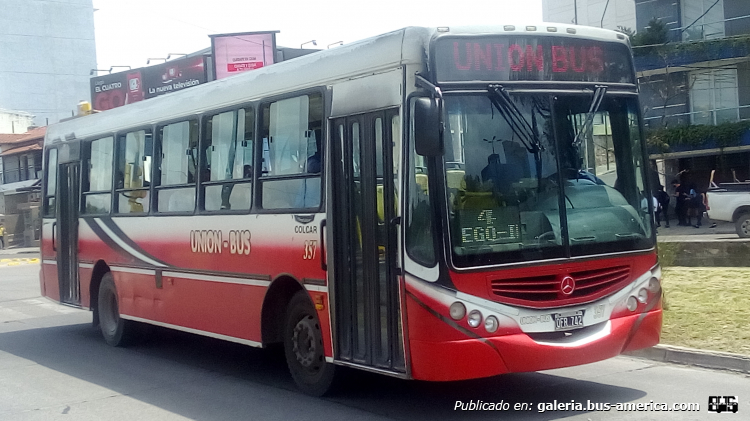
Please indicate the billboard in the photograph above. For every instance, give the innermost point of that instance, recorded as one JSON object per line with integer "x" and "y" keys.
{"x": 114, "y": 90}
{"x": 240, "y": 52}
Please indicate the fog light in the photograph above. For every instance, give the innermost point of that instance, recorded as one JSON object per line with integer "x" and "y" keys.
{"x": 632, "y": 303}
{"x": 654, "y": 285}
{"x": 643, "y": 295}
{"x": 458, "y": 311}
{"x": 491, "y": 324}
{"x": 475, "y": 318}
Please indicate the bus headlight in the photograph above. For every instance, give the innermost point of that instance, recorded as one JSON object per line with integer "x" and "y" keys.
{"x": 475, "y": 318}
{"x": 457, "y": 311}
{"x": 491, "y": 324}
{"x": 654, "y": 285}
{"x": 632, "y": 303}
{"x": 643, "y": 295}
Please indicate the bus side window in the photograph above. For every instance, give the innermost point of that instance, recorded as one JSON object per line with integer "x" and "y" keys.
{"x": 292, "y": 151}
{"x": 51, "y": 187}
{"x": 97, "y": 183}
{"x": 176, "y": 165}
{"x": 228, "y": 160}
{"x": 134, "y": 171}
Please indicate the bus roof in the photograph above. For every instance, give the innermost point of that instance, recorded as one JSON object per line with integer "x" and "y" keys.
{"x": 404, "y": 46}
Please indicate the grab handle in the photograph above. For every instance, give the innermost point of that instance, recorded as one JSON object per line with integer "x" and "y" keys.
{"x": 323, "y": 257}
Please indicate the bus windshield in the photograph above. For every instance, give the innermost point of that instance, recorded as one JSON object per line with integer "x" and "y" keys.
{"x": 528, "y": 179}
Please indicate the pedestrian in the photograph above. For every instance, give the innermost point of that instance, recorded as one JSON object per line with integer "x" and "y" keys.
{"x": 2, "y": 236}
{"x": 682, "y": 202}
{"x": 663, "y": 210}
{"x": 700, "y": 205}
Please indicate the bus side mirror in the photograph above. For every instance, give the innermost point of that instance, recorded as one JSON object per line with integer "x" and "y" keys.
{"x": 427, "y": 139}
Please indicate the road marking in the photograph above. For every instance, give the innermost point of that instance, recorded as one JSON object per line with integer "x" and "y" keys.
{"x": 19, "y": 261}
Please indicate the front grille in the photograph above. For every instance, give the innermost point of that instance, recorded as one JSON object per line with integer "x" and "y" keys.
{"x": 540, "y": 291}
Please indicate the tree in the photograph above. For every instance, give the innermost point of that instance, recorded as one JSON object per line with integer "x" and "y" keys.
{"x": 655, "y": 33}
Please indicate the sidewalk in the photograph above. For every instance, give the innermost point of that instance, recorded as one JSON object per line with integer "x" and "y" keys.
{"x": 19, "y": 250}
{"x": 724, "y": 231}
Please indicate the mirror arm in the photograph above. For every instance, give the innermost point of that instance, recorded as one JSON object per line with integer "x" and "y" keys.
{"x": 421, "y": 82}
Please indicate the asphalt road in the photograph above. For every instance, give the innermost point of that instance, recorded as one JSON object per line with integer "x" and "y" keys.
{"x": 54, "y": 366}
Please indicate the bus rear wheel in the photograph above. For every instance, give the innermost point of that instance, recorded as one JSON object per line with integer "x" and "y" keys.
{"x": 303, "y": 347}
{"x": 115, "y": 330}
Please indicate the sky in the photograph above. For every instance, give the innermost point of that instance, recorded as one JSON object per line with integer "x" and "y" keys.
{"x": 129, "y": 32}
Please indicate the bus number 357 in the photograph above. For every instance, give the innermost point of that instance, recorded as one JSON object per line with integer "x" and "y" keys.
{"x": 310, "y": 248}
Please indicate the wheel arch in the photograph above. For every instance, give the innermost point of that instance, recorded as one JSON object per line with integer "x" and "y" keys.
{"x": 100, "y": 269}
{"x": 739, "y": 212}
{"x": 273, "y": 314}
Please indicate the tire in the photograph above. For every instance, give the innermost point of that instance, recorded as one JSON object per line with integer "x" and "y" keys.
{"x": 303, "y": 347}
{"x": 742, "y": 225}
{"x": 115, "y": 330}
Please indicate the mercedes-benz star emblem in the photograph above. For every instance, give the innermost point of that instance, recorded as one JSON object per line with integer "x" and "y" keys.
{"x": 567, "y": 285}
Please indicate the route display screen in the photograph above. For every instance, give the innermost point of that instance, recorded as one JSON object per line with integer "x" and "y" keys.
{"x": 501, "y": 58}
{"x": 488, "y": 227}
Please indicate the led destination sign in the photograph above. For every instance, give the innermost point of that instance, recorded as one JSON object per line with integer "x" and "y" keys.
{"x": 531, "y": 58}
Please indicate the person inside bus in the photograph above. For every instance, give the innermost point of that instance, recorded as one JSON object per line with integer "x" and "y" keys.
{"x": 314, "y": 161}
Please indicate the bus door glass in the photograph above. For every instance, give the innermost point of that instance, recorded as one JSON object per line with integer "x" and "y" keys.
{"x": 368, "y": 325}
{"x": 67, "y": 232}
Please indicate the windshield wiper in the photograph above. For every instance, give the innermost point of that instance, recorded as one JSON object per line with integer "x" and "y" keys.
{"x": 515, "y": 119}
{"x": 593, "y": 108}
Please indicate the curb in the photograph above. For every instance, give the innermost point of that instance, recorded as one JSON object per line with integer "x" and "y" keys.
{"x": 695, "y": 357}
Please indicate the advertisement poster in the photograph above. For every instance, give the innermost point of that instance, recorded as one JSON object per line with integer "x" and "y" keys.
{"x": 173, "y": 76}
{"x": 115, "y": 90}
{"x": 236, "y": 53}
{"x": 118, "y": 89}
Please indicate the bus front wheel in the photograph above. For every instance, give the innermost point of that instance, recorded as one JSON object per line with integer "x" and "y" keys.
{"x": 303, "y": 347}
{"x": 116, "y": 331}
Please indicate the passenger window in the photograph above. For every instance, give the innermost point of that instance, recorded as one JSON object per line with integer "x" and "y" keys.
{"x": 97, "y": 188}
{"x": 292, "y": 153}
{"x": 228, "y": 160}
{"x": 177, "y": 153}
{"x": 51, "y": 190}
{"x": 134, "y": 171}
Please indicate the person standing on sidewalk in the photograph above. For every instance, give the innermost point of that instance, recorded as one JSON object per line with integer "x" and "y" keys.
{"x": 663, "y": 210}
{"x": 2, "y": 236}
{"x": 682, "y": 202}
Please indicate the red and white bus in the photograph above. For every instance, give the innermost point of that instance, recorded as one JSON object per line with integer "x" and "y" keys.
{"x": 431, "y": 203}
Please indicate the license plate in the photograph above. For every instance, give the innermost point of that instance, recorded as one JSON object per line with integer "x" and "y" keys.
{"x": 567, "y": 321}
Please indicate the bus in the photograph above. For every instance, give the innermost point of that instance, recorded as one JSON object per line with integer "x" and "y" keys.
{"x": 432, "y": 203}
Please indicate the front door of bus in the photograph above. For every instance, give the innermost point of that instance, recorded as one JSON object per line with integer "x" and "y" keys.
{"x": 368, "y": 326}
{"x": 67, "y": 233}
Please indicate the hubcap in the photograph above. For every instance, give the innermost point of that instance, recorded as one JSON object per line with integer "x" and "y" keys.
{"x": 746, "y": 226}
{"x": 304, "y": 346}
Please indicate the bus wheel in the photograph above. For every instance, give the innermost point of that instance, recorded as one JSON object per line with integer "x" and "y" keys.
{"x": 116, "y": 331}
{"x": 743, "y": 225}
{"x": 303, "y": 347}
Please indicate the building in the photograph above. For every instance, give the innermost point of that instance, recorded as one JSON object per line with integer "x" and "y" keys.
{"x": 20, "y": 184}
{"x": 48, "y": 51}
{"x": 694, "y": 74}
{"x": 14, "y": 122}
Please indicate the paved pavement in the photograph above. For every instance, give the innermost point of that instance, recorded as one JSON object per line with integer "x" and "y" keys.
{"x": 19, "y": 251}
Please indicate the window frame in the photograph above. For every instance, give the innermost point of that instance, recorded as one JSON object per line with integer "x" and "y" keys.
{"x": 45, "y": 182}
{"x": 260, "y": 132}
{"x": 85, "y": 171}
{"x": 204, "y": 118}
{"x": 156, "y": 187}
{"x": 120, "y": 136}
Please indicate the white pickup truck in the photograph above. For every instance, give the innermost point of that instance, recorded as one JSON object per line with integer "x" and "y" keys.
{"x": 731, "y": 202}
